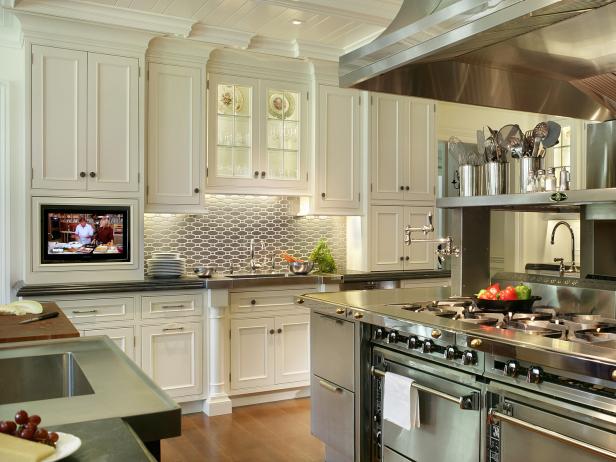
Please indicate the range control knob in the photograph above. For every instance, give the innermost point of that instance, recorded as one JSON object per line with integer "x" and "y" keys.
{"x": 413, "y": 342}
{"x": 535, "y": 374}
{"x": 392, "y": 337}
{"x": 428, "y": 346}
{"x": 469, "y": 358}
{"x": 378, "y": 334}
{"x": 512, "y": 368}
{"x": 451, "y": 352}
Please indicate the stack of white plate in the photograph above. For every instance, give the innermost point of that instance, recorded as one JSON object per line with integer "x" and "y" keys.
{"x": 166, "y": 265}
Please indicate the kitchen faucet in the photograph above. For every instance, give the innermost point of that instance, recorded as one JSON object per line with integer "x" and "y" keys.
{"x": 562, "y": 269}
{"x": 445, "y": 250}
{"x": 253, "y": 264}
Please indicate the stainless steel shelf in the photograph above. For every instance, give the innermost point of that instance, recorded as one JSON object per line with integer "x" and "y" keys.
{"x": 571, "y": 201}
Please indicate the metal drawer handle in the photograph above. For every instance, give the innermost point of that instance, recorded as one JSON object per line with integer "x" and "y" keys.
{"x": 170, "y": 329}
{"x": 84, "y": 311}
{"x": 172, "y": 306}
{"x": 468, "y": 402}
{"x": 330, "y": 387}
{"x": 492, "y": 413}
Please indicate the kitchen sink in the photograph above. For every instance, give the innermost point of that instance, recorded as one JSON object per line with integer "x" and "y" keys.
{"x": 34, "y": 378}
{"x": 257, "y": 275}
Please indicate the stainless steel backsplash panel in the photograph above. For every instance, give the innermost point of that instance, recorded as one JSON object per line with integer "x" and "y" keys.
{"x": 221, "y": 235}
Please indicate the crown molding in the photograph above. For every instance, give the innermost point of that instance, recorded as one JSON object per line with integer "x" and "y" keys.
{"x": 274, "y": 46}
{"x": 221, "y": 35}
{"x": 113, "y": 16}
{"x": 180, "y": 49}
{"x": 318, "y": 51}
{"x": 10, "y": 32}
{"x": 7, "y": 3}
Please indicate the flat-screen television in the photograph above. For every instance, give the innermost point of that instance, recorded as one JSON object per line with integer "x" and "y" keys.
{"x": 81, "y": 233}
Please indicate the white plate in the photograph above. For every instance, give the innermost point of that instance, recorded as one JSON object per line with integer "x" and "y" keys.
{"x": 66, "y": 445}
{"x": 165, "y": 255}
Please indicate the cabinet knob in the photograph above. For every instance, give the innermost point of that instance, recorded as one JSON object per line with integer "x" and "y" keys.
{"x": 323, "y": 195}
{"x": 401, "y": 258}
{"x": 401, "y": 188}
{"x": 256, "y": 174}
{"x": 262, "y": 174}
{"x": 82, "y": 174}
{"x": 279, "y": 331}
{"x": 92, "y": 174}
{"x": 408, "y": 188}
{"x": 272, "y": 331}
{"x": 197, "y": 190}
{"x": 253, "y": 302}
{"x": 407, "y": 258}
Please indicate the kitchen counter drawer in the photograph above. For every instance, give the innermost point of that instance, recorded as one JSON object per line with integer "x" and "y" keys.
{"x": 171, "y": 306}
{"x": 264, "y": 301}
{"x": 98, "y": 310}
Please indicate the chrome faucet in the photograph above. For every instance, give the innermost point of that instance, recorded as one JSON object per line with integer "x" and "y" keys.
{"x": 447, "y": 248}
{"x": 562, "y": 269}
{"x": 253, "y": 263}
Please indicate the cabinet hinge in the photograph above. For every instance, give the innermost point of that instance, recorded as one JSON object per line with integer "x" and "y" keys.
{"x": 138, "y": 177}
{"x": 370, "y": 187}
{"x": 139, "y": 71}
{"x": 147, "y": 190}
{"x": 308, "y": 96}
{"x": 207, "y": 172}
{"x": 229, "y": 337}
{"x": 32, "y": 174}
{"x": 360, "y": 100}
{"x": 358, "y": 197}
{"x": 207, "y": 84}
{"x": 434, "y": 106}
{"x": 306, "y": 176}
{"x": 134, "y": 342}
{"x": 371, "y": 100}
{"x": 32, "y": 58}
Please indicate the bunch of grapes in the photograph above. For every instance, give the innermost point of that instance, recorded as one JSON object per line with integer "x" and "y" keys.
{"x": 27, "y": 427}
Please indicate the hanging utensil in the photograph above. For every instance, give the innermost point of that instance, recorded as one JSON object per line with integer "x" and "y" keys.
{"x": 491, "y": 150}
{"x": 510, "y": 137}
{"x": 456, "y": 149}
{"x": 528, "y": 143}
{"x": 481, "y": 141}
{"x": 553, "y": 134}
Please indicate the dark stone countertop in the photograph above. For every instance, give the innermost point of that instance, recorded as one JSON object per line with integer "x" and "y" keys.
{"x": 105, "y": 440}
{"x": 219, "y": 282}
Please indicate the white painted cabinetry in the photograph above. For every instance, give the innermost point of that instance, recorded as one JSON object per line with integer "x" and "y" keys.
{"x": 123, "y": 337}
{"x": 292, "y": 348}
{"x": 85, "y": 120}
{"x": 253, "y": 353}
{"x": 172, "y": 354}
{"x": 174, "y": 134}
{"x": 387, "y": 249}
{"x": 403, "y": 148}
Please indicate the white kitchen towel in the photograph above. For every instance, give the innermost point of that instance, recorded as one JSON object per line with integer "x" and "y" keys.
{"x": 401, "y": 401}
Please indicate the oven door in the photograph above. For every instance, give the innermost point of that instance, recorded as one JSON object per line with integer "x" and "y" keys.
{"x": 447, "y": 432}
{"x": 541, "y": 429}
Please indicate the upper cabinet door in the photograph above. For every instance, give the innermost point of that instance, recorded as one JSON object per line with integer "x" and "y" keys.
{"x": 174, "y": 125}
{"x": 421, "y": 166}
{"x": 233, "y": 135}
{"x": 389, "y": 145}
{"x": 59, "y": 114}
{"x": 113, "y": 123}
{"x": 338, "y": 144}
{"x": 284, "y": 135}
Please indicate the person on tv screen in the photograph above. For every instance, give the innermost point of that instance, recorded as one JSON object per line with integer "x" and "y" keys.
{"x": 84, "y": 231}
{"x": 104, "y": 233}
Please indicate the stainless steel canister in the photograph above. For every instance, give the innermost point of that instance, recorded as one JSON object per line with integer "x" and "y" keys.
{"x": 470, "y": 177}
{"x": 496, "y": 178}
{"x": 528, "y": 165}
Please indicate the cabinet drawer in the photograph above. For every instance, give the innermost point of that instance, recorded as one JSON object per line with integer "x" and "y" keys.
{"x": 256, "y": 302}
{"x": 99, "y": 310}
{"x": 171, "y": 306}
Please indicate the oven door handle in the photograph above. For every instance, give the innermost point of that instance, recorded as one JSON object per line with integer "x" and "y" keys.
{"x": 469, "y": 402}
{"x": 495, "y": 415}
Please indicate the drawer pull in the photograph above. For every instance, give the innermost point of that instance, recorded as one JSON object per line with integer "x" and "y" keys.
{"x": 171, "y": 329}
{"x": 84, "y": 311}
{"x": 330, "y": 387}
{"x": 253, "y": 302}
{"x": 167, "y": 307}
{"x": 279, "y": 331}
{"x": 272, "y": 331}
{"x": 340, "y": 310}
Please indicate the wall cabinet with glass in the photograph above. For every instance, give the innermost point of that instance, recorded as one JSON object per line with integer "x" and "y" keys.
{"x": 257, "y": 136}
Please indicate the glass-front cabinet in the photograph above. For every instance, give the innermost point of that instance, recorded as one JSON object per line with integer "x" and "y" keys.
{"x": 257, "y": 136}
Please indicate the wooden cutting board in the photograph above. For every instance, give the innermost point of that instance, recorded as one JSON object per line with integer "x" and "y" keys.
{"x": 58, "y": 327}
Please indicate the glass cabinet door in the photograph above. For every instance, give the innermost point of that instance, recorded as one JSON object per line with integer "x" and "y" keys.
{"x": 232, "y": 152}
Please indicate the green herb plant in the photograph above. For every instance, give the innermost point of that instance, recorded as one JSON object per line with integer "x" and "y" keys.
{"x": 322, "y": 257}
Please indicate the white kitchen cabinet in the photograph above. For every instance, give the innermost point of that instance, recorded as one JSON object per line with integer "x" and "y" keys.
{"x": 174, "y": 128}
{"x": 258, "y": 136}
{"x": 123, "y": 337}
{"x": 403, "y": 149}
{"x": 85, "y": 121}
{"x": 171, "y": 306}
{"x": 59, "y": 118}
{"x": 113, "y": 123}
{"x": 338, "y": 150}
{"x": 387, "y": 249}
{"x": 252, "y": 353}
{"x": 172, "y": 355}
{"x": 292, "y": 348}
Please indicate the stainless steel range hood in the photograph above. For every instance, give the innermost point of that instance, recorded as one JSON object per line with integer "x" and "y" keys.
{"x": 547, "y": 56}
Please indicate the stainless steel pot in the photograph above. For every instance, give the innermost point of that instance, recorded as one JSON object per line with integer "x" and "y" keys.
{"x": 205, "y": 271}
{"x": 301, "y": 267}
{"x": 496, "y": 178}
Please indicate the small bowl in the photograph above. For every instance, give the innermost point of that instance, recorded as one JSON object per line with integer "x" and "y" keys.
{"x": 204, "y": 271}
{"x": 301, "y": 267}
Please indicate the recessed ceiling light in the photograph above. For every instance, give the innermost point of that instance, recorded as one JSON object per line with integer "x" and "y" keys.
{"x": 297, "y": 22}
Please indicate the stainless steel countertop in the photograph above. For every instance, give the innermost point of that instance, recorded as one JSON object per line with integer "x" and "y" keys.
{"x": 121, "y": 389}
{"x": 376, "y": 301}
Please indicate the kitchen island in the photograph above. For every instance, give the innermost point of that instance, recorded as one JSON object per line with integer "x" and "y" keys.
{"x": 84, "y": 380}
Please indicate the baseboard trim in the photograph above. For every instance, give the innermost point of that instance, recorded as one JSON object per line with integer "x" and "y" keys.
{"x": 217, "y": 406}
{"x": 192, "y": 407}
{"x": 270, "y": 397}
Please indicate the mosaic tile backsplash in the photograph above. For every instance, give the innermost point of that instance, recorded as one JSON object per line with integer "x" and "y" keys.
{"x": 221, "y": 236}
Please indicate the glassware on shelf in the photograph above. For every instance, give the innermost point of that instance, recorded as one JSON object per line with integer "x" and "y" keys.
{"x": 540, "y": 182}
{"x": 550, "y": 180}
{"x": 530, "y": 182}
{"x": 565, "y": 180}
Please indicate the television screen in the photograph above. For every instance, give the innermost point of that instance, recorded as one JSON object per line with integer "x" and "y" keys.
{"x": 77, "y": 233}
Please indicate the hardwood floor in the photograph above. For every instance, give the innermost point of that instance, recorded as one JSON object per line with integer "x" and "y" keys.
{"x": 270, "y": 432}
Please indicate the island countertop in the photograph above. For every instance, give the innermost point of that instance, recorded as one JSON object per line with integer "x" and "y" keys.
{"x": 120, "y": 389}
{"x": 59, "y": 327}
